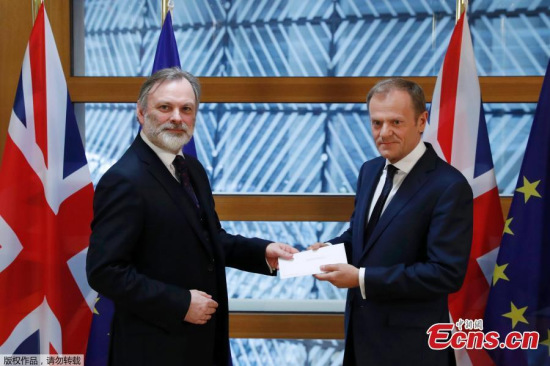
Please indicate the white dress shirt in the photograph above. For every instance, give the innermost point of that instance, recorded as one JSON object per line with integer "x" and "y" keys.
{"x": 404, "y": 165}
{"x": 166, "y": 157}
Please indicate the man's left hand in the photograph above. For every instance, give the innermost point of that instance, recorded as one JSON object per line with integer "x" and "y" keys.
{"x": 340, "y": 275}
{"x": 274, "y": 251}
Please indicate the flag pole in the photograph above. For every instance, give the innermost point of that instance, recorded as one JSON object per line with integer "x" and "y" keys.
{"x": 165, "y": 7}
{"x": 35, "y": 5}
{"x": 461, "y": 6}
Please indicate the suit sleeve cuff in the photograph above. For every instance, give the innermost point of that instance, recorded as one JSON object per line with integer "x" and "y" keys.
{"x": 271, "y": 270}
{"x": 362, "y": 281}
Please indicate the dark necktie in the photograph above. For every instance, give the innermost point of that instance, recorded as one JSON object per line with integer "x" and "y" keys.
{"x": 182, "y": 172}
{"x": 377, "y": 211}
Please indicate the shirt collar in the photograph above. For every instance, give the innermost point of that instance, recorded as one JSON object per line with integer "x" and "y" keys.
{"x": 408, "y": 162}
{"x": 165, "y": 156}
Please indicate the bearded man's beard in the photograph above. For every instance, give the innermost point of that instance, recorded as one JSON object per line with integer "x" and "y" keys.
{"x": 163, "y": 138}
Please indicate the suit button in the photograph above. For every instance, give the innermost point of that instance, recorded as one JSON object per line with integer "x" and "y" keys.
{"x": 210, "y": 268}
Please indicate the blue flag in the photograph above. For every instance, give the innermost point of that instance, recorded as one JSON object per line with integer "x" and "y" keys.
{"x": 167, "y": 48}
{"x": 519, "y": 299}
{"x": 97, "y": 353}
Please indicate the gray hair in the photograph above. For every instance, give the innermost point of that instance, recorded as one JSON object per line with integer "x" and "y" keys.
{"x": 413, "y": 89}
{"x": 171, "y": 74}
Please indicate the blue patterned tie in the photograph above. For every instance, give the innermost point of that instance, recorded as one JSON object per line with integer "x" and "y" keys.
{"x": 377, "y": 211}
{"x": 182, "y": 172}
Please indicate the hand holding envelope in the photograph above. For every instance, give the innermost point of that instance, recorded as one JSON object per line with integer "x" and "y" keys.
{"x": 309, "y": 262}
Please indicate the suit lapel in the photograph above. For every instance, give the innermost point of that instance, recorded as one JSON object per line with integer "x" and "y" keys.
{"x": 157, "y": 169}
{"x": 414, "y": 181}
{"x": 369, "y": 180}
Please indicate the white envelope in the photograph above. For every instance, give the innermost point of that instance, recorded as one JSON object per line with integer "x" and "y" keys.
{"x": 309, "y": 262}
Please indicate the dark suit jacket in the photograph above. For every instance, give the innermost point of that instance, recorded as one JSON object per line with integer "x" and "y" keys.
{"x": 148, "y": 248}
{"x": 415, "y": 257}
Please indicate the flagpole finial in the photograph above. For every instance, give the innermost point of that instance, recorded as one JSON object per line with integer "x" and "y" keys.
{"x": 166, "y": 6}
{"x": 461, "y": 6}
{"x": 35, "y": 5}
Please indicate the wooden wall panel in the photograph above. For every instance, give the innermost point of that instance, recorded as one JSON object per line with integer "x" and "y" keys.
{"x": 16, "y": 20}
{"x": 295, "y": 89}
{"x": 294, "y": 207}
{"x": 284, "y": 208}
{"x": 286, "y": 326}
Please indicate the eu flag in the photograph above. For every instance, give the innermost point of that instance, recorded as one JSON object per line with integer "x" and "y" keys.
{"x": 98, "y": 344}
{"x": 520, "y": 294}
{"x": 167, "y": 48}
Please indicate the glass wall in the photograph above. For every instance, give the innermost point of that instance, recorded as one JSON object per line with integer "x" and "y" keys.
{"x": 312, "y": 37}
{"x": 275, "y": 352}
{"x": 291, "y": 148}
{"x": 244, "y": 285}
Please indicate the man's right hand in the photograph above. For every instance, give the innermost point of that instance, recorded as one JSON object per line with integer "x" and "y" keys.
{"x": 201, "y": 308}
{"x": 316, "y": 246}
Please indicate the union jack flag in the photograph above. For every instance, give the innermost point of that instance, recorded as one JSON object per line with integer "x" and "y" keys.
{"x": 458, "y": 132}
{"x": 45, "y": 212}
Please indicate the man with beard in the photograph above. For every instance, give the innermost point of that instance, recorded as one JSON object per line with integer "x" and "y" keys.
{"x": 157, "y": 248}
